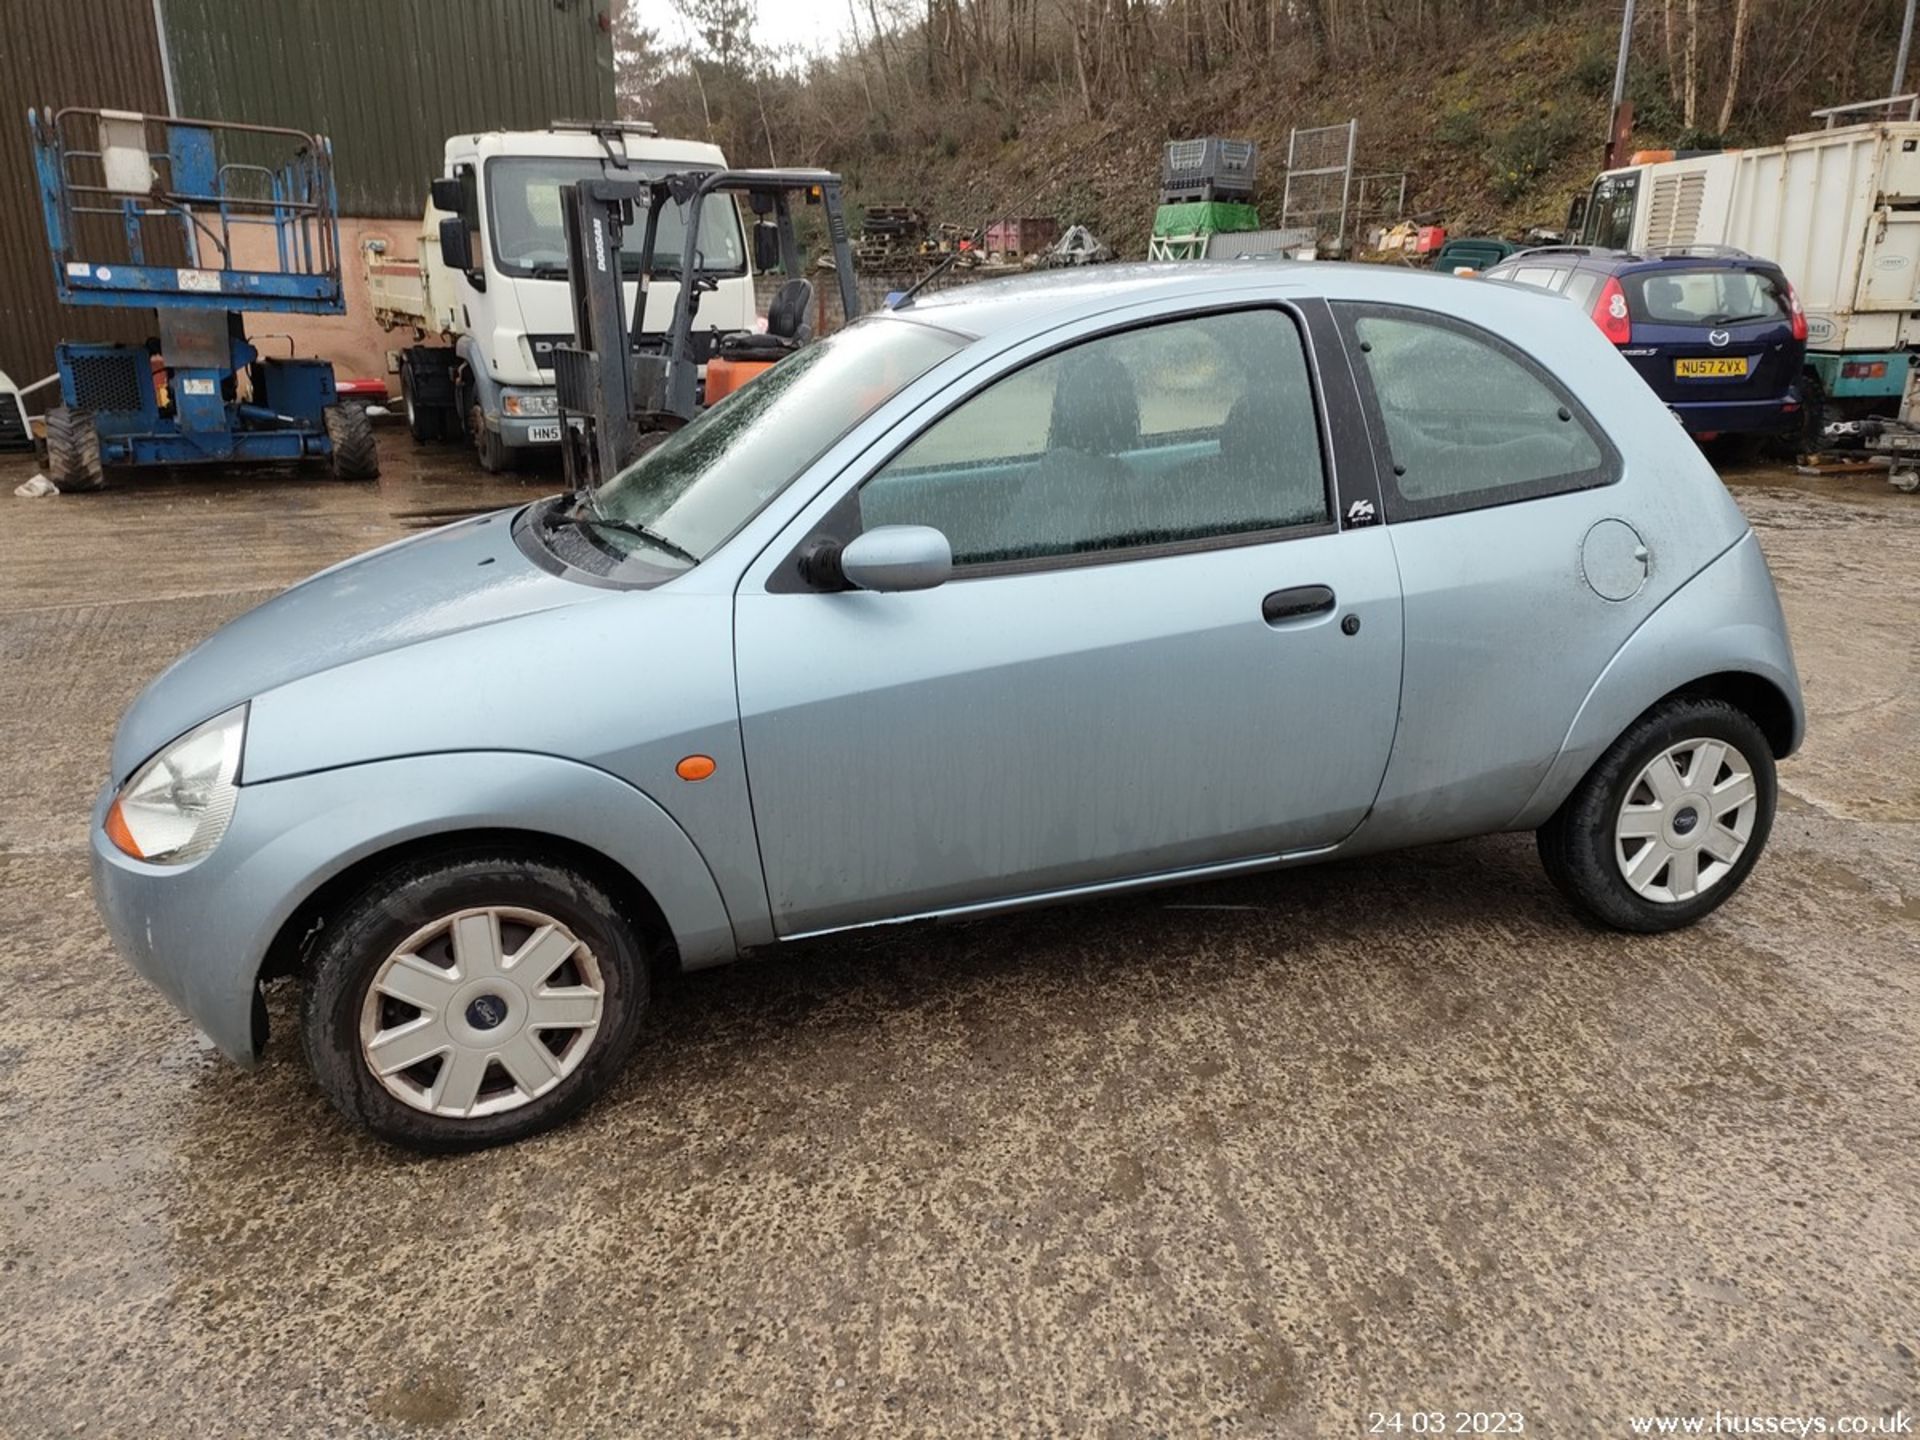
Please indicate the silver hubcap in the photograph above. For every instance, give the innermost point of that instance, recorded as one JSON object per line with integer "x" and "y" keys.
{"x": 481, "y": 1012}
{"x": 1686, "y": 820}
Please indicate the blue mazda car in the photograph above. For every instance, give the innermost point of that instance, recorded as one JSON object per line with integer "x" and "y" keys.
{"x": 1717, "y": 333}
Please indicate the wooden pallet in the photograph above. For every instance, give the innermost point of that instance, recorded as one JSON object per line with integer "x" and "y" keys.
{"x": 1829, "y": 465}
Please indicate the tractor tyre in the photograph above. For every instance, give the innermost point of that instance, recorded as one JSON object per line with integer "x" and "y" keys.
{"x": 356, "y": 454}
{"x": 73, "y": 451}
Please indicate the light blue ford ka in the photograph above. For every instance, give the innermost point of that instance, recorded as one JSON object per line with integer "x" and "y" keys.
{"x": 1031, "y": 591}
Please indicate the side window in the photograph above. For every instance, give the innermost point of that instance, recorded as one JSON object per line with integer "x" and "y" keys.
{"x": 1183, "y": 431}
{"x": 1539, "y": 275}
{"x": 1469, "y": 421}
{"x": 1582, "y": 288}
{"x": 469, "y": 179}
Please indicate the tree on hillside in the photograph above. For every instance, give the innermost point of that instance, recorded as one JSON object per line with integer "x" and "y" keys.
{"x": 922, "y": 93}
{"x": 725, "y": 28}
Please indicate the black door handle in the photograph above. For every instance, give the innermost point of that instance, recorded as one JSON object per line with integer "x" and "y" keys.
{"x": 1296, "y": 603}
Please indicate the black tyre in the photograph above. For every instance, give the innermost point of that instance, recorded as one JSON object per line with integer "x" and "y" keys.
{"x": 356, "y": 454}
{"x": 1669, "y": 821}
{"x": 494, "y": 455}
{"x": 423, "y": 422}
{"x": 472, "y": 999}
{"x": 73, "y": 451}
{"x": 1810, "y": 437}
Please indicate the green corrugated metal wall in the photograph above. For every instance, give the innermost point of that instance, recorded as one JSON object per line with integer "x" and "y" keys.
{"x": 389, "y": 80}
{"x": 44, "y": 61}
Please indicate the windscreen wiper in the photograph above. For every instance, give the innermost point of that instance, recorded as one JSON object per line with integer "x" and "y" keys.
{"x": 593, "y": 516}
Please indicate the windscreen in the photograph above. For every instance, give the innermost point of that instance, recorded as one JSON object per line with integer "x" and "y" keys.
{"x": 705, "y": 481}
{"x": 523, "y": 209}
{"x": 1704, "y": 296}
{"x": 1609, "y": 222}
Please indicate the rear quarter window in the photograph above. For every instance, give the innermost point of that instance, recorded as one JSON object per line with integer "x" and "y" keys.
{"x": 1582, "y": 288}
{"x": 1543, "y": 277}
{"x": 1467, "y": 420}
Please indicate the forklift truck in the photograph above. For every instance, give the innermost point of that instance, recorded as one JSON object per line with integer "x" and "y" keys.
{"x": 618, "y": 383}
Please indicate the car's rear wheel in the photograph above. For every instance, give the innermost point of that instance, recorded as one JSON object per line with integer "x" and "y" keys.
{"x": 1809, "y": 437}
{"x": 473, "y": 999}
{"x": 1669, "y": 822}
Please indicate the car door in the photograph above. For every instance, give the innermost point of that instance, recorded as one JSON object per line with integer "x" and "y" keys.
{"x": 1525, "y": 566}
{"x": 1158, "y": 650}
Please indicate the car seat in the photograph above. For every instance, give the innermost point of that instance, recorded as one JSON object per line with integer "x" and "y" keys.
{"x": 1667, "y": 298}
{"x": 788, "y": 326}
{"x": 1069, "y": 498}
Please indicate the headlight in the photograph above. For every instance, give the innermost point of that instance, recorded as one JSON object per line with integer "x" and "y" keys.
{"x": 177, "y": 805}
{"x": 529, "y": 405}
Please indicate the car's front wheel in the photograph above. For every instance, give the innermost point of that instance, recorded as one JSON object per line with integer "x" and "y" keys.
{"x": 468, "y": 1000}
{"x": 1669, "y": 822}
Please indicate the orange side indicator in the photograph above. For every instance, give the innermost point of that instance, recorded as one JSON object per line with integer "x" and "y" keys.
{"x": 695, "y": 767}
{"x": 119, "y": 834}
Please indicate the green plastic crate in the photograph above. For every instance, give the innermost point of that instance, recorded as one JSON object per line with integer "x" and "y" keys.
{"x": 1204, "y": 217}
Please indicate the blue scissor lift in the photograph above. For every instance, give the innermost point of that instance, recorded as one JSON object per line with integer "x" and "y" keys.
{"x": 197, "y": 221}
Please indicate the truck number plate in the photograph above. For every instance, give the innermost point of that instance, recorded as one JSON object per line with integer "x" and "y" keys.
{"x": 543, "y": 434}
{"x": 1710, "y": 368}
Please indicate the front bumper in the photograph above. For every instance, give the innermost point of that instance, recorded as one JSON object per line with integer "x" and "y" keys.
{"x": 527, "y": 432}
{"x": 190, "y": 930}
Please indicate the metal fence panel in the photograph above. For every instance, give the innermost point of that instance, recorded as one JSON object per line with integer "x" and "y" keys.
{"x": 1319, "y": 180}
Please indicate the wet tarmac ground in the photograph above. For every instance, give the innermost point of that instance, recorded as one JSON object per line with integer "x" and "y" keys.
{"x": 1254, "y": 1158}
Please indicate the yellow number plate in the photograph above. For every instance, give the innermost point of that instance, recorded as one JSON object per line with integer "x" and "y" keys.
{"x": 1703, "y": 369}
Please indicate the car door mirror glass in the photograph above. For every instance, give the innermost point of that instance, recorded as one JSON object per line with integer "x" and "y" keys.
{"x": 897, "y": 557}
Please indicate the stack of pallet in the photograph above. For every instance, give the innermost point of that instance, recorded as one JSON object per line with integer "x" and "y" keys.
{"x": 889, "y": 233}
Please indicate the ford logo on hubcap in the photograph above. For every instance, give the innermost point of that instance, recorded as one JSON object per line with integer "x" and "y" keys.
{"x": 486, "y": 1011}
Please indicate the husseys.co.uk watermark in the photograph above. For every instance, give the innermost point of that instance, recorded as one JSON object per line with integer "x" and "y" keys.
{"x": 1724, "y": 1422}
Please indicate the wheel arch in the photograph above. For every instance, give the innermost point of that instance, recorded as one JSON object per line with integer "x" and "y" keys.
{"x": 299, "y": 846}
{"x": 1722, "y": 635}
{"x": 288, "y": 951}
{"x": 1755, "y": 695}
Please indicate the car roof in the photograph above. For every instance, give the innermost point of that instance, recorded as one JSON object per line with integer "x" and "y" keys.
{"x": 1036, "y": 301}
{"x": 1654, "y": 257}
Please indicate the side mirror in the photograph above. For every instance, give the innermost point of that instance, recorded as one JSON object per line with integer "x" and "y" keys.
{"x": 456, "y": 244}
{"x": 897, "y": 557}
{"x": 445, "y": 193}
{"x": 766, "y": 246}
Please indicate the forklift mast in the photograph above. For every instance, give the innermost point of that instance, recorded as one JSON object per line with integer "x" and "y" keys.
{"x": 617, "y": 381}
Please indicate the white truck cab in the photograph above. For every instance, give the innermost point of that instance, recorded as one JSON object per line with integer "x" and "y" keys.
{"x": 486, "y": 291}
{"x": 1838, "y": 209}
